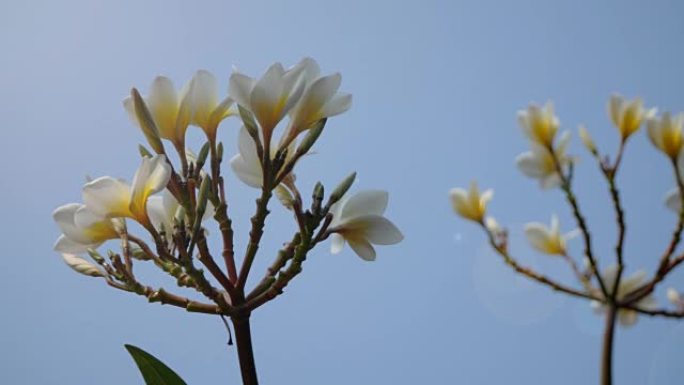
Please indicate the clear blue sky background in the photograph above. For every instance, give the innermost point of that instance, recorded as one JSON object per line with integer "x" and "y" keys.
{"x": 436, "y": 88}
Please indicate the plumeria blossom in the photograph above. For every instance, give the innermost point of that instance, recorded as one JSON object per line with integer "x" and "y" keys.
{"x": 319, "y": 100}
{"x": 162, "y": 208}
{"x": 113, "y": 198}
{"x": 470, "y": 204}
{"x": 675, "y": 298}
{"x": 81, "y": 266}
{"x": 548, "y": 240}
{"x": 359, "y": 221}
{"x": 627, "y": 115}
{"x": 170, "y": 110}
{"x": 626, "y": 317}
{"x": 269, "y": 98}
{"x": 247, "y": 165}
{"x": 539, "y": 123}
{"x": 82, "y": 229}
{"x": 539, "y": 163}
{"x": 666, "y": 133}
{"x": 587, "y": 140}
{"x": 207, "y": 110}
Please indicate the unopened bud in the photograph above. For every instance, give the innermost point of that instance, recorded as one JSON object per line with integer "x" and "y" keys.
{"x": 202, "y": 156}
{"x": 219, "y": 151}
{"x": 284, "y": 196}
{"x": 249, "y": 122}
{"x": 342, "y": 188}
{"x": 203, "y": 197}
{"x": 81, "y": 266}
{"x": 313, "y": 133}
{"x": 587, "y": 140}
{"x": 146, "y": 121}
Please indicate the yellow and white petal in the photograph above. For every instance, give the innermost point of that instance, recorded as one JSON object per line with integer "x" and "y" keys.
{"x": 65, "y": 244}
{"x": 540, "y": 238}
{"x": 163, "y": 104}
{"x": 152, "y": 177}
{"x": 81, "y": 266}
{"x": 615, "y": 108}
{"x": 310, "y": 107}
{"x": 107, "y": 197}
{"x": 267, "y": 99}
{"x": 204, "y": 98}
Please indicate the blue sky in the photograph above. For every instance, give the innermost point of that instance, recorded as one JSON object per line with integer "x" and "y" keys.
{"x": 436, "y": 88}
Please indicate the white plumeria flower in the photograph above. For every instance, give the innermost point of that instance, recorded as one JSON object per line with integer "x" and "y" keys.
{"x": 170, "y": 110}
{"x": 269, "y": 98}
{"x": 247, "y": 165}
{"x": 82, "y": 229}
{"x": 470, "y": 204}
{"x": 627, "y": 115}
{"x": 675, "y": 297}
{"x": 164, "y": 207}
{"x": 666, "y": 133}
{"x": 81, "y": 266}
{"x": 626, "y": 317}
{"x": 114, "y": 198}
{"x": 207, "y": 110}
{"x": 540, "y": 124}
{"x": 359, "y": 221}
{"x": 319, "y": 100}
{"x": 548, "y": 240}
{"x": 539, "y": 162}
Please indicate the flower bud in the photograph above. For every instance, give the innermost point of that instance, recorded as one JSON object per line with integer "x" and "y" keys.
{"x": 81, "y": 266}
{"x": 342, "y": 188}
{"x": 587, "y": 140}
{"x": 144, "y": 152}
{"x": 147, "y": 124}
{"x": 311, "y": 137}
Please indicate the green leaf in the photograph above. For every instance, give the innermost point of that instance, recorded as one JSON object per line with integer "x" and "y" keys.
{"x": 153, "y": 371}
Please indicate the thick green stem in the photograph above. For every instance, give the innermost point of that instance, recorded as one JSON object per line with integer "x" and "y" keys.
{"x": 243, "y": 340}
{"x": 607, "y": 354}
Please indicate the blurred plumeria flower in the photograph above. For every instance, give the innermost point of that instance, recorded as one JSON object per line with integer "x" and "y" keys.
{"x": 626, "y": 317}
{"x": 170, "y": 110}
{"x": 207, "y": 110}
{"x": 675, "y": 297}
{"x": 113, "y": 198}
{"x": 319, "y": 100}
{"x": 539, "y": 123}
{"x": 470, "y": 204}
{"x": 548, "y": 240}
{"x": 82, "y": 229}
{"x": 627, "y": 115}
{"x": 587, "y": 140}
{"x": 359, "y": 221}
{"x": 666, "y": 133}
{"x": 539, "y": 163}
{"x": 247, "y": 165}
{"x": 81, "y": 266}
{"x": 269, "y": 98}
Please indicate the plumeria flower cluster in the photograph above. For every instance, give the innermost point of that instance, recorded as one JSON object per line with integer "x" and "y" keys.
{"x": 174, "y": 204}
{"x": 621, "y": 298}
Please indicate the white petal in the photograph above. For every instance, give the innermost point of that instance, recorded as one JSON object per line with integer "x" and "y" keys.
{"x": 130, "y": 110}
{"x": 163, "y": 104}
{"x": 627, "y": 317}
{"x": 528, "y": 163}
{"x": 247, "y": 148}
{"x": 615, "y": 108}
{"x": 204, "y": 96}
{"x": 67, "y": 245}
{"x": 266, "y": 95}
{"x": 339, "y": 103}
{"x": 240, "y": 88}
{"x": 245, "y": 172}
{"x": 368, "y": 202}
{"x": 377, "y": 230}
{"x": 107, "y": 196}
{"x": 363, "y": 249}
{"x": 336, "y": 243}
{"x": 538, "y": 236}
